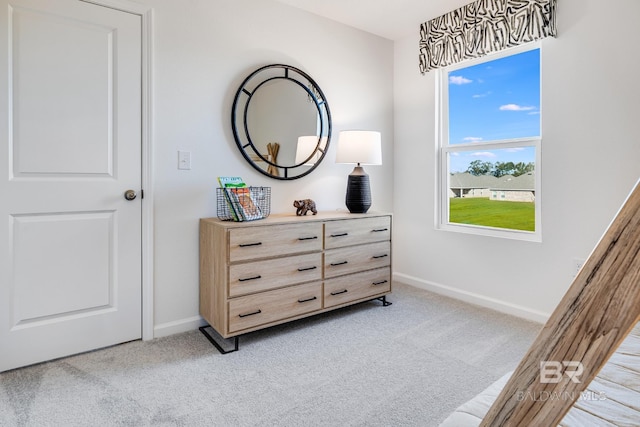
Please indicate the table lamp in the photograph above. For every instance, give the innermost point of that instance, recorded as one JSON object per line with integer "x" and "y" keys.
{"x": 362, "y": 148}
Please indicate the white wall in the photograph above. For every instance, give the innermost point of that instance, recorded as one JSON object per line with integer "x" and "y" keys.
{"x": 203, "y": 49}
{"x": 590, "y": 153}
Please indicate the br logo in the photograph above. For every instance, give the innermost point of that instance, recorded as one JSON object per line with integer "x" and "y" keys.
{"x": 552, "y": 371}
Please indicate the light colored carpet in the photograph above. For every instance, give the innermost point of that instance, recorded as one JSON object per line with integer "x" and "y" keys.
{"x": 409, "y": 364}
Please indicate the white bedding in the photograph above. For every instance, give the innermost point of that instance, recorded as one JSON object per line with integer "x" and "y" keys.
{"x": 612, "y": 398}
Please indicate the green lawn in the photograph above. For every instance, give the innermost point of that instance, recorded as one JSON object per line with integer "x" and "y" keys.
{"x": 493, "y": 213}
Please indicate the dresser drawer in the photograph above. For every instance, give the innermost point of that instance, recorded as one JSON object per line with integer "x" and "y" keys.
{"x": 357, "y": 286}
{"x": 257, "y": 276}
{"x": 348, "y": 232}
{"x": 271, "y": 241}
{"x": 265, "y": 307}
{"x": 338, "y": 262}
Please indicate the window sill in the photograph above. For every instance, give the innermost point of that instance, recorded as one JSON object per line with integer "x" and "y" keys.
{"x": 501, "y": 233}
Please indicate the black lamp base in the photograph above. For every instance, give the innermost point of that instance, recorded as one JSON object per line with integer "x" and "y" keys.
{"x": 358, "y": 198}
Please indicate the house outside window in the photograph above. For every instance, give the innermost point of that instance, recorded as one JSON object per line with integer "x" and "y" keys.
{"x": 489, "y": 141}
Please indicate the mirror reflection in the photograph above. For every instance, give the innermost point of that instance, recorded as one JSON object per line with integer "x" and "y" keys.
{"x": 281, "y": 122}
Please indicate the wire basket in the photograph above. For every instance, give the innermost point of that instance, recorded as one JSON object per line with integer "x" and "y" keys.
{"x": 244, "y": 203}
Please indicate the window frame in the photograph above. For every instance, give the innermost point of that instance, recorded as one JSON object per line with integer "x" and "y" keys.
{"x": 444, "y": 150}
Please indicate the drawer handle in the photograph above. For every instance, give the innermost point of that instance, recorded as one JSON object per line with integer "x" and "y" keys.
{"x": 379, "y": 230}
{"x": 340, "y": 235}
{"x": 340, "y": 292}
{"x": 382, "y": 282}
{"x": 307, "y": 268}
{"x": 379, "y": 256}
{"x": 308, "y": 238}
{"x": 250, "y": 314}
{"x": 250, "y": 278}
{"x": 307, "y": 300}
{"x": 335, "y": 264}
{"x": 246, "y": 245}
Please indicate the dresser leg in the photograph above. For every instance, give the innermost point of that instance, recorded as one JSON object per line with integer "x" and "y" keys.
{"x": 224, "y": 345}
{"x": 385, "y": 303}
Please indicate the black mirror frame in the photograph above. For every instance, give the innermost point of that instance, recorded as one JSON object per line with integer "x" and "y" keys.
{"x": 243, "y": 139}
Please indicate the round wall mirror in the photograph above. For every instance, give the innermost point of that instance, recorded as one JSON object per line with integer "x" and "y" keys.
{"x": 281, "y": 122}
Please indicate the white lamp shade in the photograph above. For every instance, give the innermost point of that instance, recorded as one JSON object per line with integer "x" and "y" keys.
{"x": 306, "y": 146}
{"x": 359, "y": 146}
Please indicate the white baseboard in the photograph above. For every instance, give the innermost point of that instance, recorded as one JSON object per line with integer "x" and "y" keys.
{"x": 178, "y": 326}
{"x": 473, "y": 298}
{"x": 191, "y": 323}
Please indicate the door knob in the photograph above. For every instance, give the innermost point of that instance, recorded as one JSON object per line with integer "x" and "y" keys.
{"x": 130, "y": 194}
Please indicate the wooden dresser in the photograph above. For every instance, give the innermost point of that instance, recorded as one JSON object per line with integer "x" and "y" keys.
{"x": 261, "y": 273}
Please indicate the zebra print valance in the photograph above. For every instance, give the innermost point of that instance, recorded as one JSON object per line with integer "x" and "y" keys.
{"x": 482, "y": 27}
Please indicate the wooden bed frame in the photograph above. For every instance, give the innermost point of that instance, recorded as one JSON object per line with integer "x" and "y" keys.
{"x": 600, "y": 308}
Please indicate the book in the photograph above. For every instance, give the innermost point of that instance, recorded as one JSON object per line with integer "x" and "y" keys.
{"x": 239, "y": 199}
{"x": 223, "y": 181}
{"x": 231, "y": 181}
{"x": 248, "y": 208}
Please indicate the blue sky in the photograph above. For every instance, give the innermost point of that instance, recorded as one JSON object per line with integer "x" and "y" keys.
{"x": 494, "y": 101}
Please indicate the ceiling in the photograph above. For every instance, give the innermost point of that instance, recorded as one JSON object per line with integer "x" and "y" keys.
{"x": 391, "y": 19}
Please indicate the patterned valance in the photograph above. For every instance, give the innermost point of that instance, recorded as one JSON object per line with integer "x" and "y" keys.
{"x": 482, "y": 27}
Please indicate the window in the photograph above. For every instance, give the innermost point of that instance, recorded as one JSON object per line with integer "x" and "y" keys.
{"x": 489, "y": 145}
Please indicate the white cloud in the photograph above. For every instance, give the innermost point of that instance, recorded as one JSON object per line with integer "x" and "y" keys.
{"x": 455, "y": 153}
{"x": 484, "y": 154}
{"x": 514, "y": 149}
{"x": 515, "y": 107}
{"x": 472, "y": 139}
{"x": 459, "y": 80}
{"x": 481, "y": 95}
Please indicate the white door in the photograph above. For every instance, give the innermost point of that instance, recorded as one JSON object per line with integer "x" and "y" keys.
{"x": 70, "y": 146}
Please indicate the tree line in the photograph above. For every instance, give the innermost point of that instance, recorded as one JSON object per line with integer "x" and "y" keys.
{"x": 498, "y": 169}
